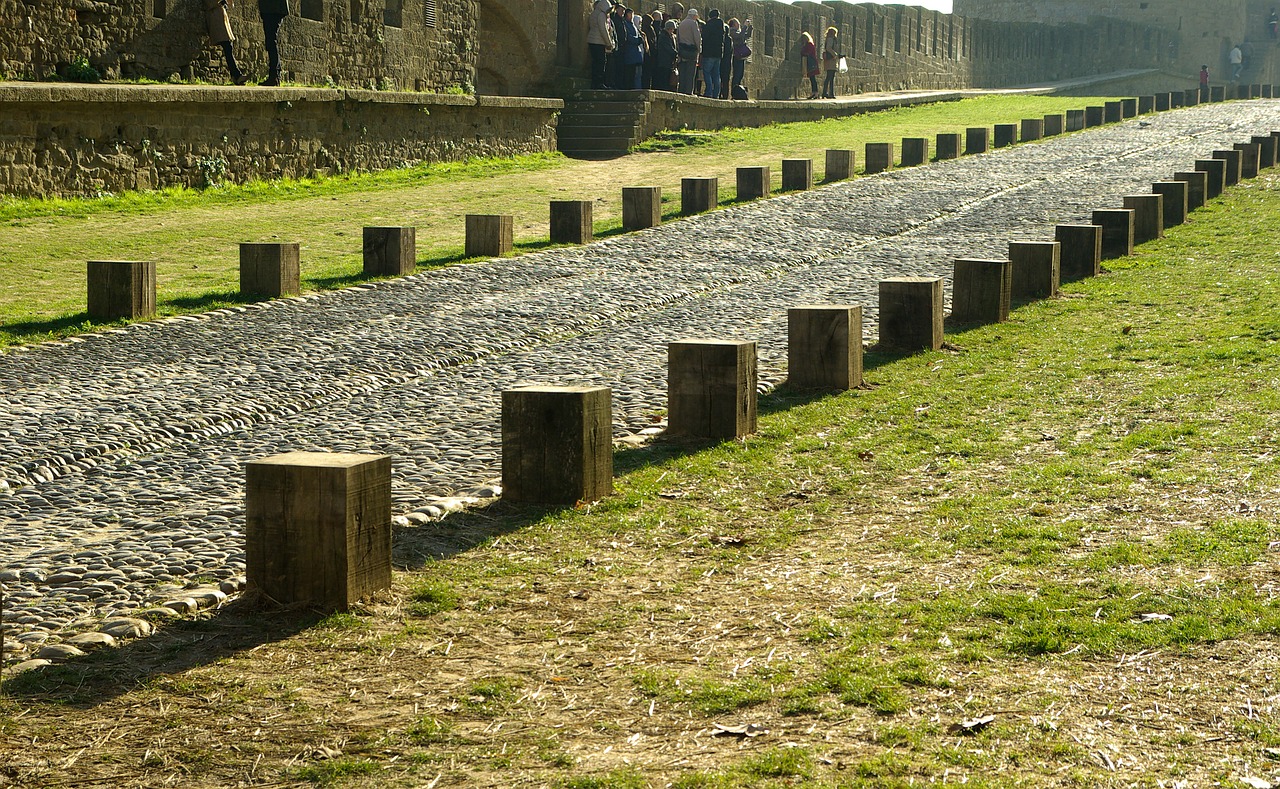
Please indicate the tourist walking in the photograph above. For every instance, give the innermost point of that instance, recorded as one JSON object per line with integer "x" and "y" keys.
{"x": 1236, "y": 59}
{"x": 273, "y": 13}
{"x": 713, "y": 35}
{"x": 809, "y": 62}
{"x": 740, "y": 35}
{"x": 665, "y": 57}
{"x": 689, "y": 46}
{"x": 601, "y": 41}
{"x": 219, "y": 25}
{"x": 830, "y": 62}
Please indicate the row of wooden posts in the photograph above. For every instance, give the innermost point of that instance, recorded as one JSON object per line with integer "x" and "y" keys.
{"x": 318, "y": 524}
{"x": 127, "y": 289}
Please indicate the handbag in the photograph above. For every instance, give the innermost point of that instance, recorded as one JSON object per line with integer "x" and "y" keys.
{"x": 742, "y": 51}
{"x": 844, "y": 66}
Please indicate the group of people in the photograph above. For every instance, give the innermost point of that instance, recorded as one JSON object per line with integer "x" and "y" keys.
{"x": 832, "y": 62}
{"x": 218, "y": 22}
{"x": 676, "y": 51}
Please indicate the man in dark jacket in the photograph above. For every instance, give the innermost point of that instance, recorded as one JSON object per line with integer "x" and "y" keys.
{"x": 273, "y": 13}
{"x": 713, "y": 36}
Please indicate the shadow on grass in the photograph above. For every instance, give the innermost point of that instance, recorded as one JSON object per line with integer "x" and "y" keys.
{"x": 211, "y": 301}
{"x": 53, "y": 327}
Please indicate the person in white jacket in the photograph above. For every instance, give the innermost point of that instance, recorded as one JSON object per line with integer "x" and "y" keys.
{"x": 601, "y": 40}
{"x": 689, "y": 44}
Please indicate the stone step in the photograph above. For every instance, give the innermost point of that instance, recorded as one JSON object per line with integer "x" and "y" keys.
{"x": 576, "y": 132}
{"x": 595, "y": 147}
{"x": 572, "y": 117}
{"x": 606, "y": 106}
{"x": 611, "y": 95}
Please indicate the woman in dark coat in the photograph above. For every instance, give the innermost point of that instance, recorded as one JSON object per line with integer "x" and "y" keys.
{"x": 809, "y": 62}
{"x": 273, "y": 13}
{"x": 665, "y": 55}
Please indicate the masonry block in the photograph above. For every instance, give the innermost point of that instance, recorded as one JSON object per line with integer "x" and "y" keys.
{"x": 1197, "y": 183}
{"x": 797, "y": 175}
{"x": 1233, "y": 167}
{"x": 1175, "y": 201}
{"x": 1113, "y": 111}
{"x": 977, "y": 140}
{"x": 490, "y": 235}
{"x": 572, "y": 222}
{"x": 711, "y": 389}
{"x": 1117, "y": 231}
{"x": 699, "y": 195}
{"x": 915, "y": 151}
{"x": 1036, "y": 269}
{"x": 121, "y": 289}
{"x": 947, "y": 146}
{"x": 1146, "y": 104}
{"x": 911, "y": 313}
{"x": 1080, "y": 254}
{"x": 270, "y": 269}
{"x": 1075, "y": 120}
{"x": 1032, "y": 129}
{"x": 1215, "y": 171}
{"x": 1250, "y": 159}
{"x": 753, "y": 183}
{"x": 557, "y": 444}
{"x": 318, "y": 527}
{"x": 879, "y": 157}
{"x": 1006, "y": 134}
{"x": 1266, "y": 150}
{"x": 1054, "y": 124}
{"x": 981, "y": 291}
{"x": 839, "y": 165}
{"x": 1094, "y": 116}
{"x": 1148, "y": 216}
{"x": 641, "y": 207}
{"x": 824, "y": 346}
{"x": 390, "y": 251}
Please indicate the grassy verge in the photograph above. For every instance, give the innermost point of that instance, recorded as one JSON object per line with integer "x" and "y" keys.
{"x": 194, "y": 235}
{"x": 1047, "y": 559}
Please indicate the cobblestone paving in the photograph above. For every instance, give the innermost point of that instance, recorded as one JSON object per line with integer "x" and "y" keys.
{"x": 121, "y": 453}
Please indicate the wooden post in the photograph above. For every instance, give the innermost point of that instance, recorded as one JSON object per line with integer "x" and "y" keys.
{"x": 1175, "y": 201}
{"x": 1075, "y": 120}
{"x": 1094, "y": 116}
{"x": 1177, "y": 99}
{"x": 1117, "y": 231}
{"x": 121, "y": 289}
{"x": 1250, "y": 158}
{"x": 1129, "y": 108}
{"x": 977, "y": 140}
{"x": 1148, "y": 216}
{"x": 1255, "y": 90}
{"x": 1233, "y": 159}
{"x": 1163, "y": 101}
{"x": 797, "y": 175}
{"x": 824, "y": 346}
{"x": 1196, "y": 181}
{"x": 557, "y": 444}
{"x": 711, "y": 389}
{"x": 318, "y": 527}
{"x": 980, "y": 291}
{"x": 698, "y": 195}
{"x": 1006, "y": 134}
{"x": 1037, "y": 269}
{"x": 1218, "y": 93}
{"x": 753, "y": 183}
{"x": 1032, "y": 129}
{"x": 947, "y": 146}
{"x": 1268, "y": 91}
{"x": 1215, "y": 171}
{"x": 879, "y": 157}
{"x": 270, "y": 269}
{"x": 489, "y": 235}
{"x": 1266, "y": 150}
{"x": 1113, "y": 112}
{"x": 911, "y": 313}
{"x": 572, "y": 222}
{"x": 1146, "y": 104}
{"x": 1054, "y": 124}
{"x": 1081, "y": 250}
{"x": 641, "y": 207}
{"x": 839, "y": 165}
{"x": 1191, "y": 97}
{"x": 390, "y": 251}
{"x": 915, "y": 151}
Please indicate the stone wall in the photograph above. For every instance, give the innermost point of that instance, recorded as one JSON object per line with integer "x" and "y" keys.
{"x": 84, "y": 140}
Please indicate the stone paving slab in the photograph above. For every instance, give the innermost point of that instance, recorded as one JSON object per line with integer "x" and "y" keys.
{"x": 121, "y": 453}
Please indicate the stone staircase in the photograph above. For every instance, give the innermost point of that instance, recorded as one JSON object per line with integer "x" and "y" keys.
{"x": 601, "y": 124}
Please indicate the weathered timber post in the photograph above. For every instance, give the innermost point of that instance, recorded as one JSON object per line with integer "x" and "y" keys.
{"x": 270, "y": 269}
{"x": 797, "y": 175}
{"x": 1233, "y": 167}
{"x": 1250, "y": 158}
{"x": 491, "y": 235}
{"x": 915, "y": 151}
{"x": 981, "y": 291}
{"x": 977, "y": 140}
{"x": 711, "y": 388}
{"x": 1175, "y": 201}
{"x": 1054, "y": 124}
{"x": 318, "y": 527}
{"x": 1094, "y": 116}
{"x": 1032, "y": 129}
{"x": 1081, "y": 251}
{"x": 641, "y": 207}
{"x": 1148, "y": 216}
{"x": 1075, "y": 120}
{"x": 1177, "y": 99}
{"x": 572, "y": 222}
{"x": 911, "y": 313}
{"x": 824, "y": 346}
{"x": 390, "y": 251}
{"x": 1037, "y": 269}
{"x": 1268, "y": 91}
{"x": 121, "y": 289}
{"x": 1266, "y": 150}
{"x": 1117, "y": 231}
{"x": 1114, "y": 112}
{"x": 879, "y": 157}
{"x": 839, "y": 165}
{"x": 1215, "y": 171}
{"x": 1163, "y": 101}
{"x": 1218, "y": 93}
{"x": 1197, "y": 182}
{"x": 753, "y": 183}
{"x": 557, "y": 444}
{"x": 1129, "y": 108}
{"x": 1006, "y": 134}
{"x": 699, "y": 195}
{"x": 947, "y": 146}
{"x": 1146, "y": 104}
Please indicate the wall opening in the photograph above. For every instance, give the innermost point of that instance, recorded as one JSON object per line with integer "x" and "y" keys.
{"x": 768, "y": 36}
{"x": 870, "y": 43}
{"x": 897, "y": 32}
{"x": 313, "y": 10}
{"x": 393, "y": 14}
{"x": 159, "y": 8}
{"x": 429, "y": 13}
{"x": 357, "y": 11}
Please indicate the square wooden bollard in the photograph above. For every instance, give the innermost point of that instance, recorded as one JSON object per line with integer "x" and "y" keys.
{"x": 1250, "y": 159}
{"x": 1129, "y": 108}
{"x": 1163, "y": 101}
{"x": 1193, "y": 97}
{"x": 490, "y": 235}
{"x": 1075, "y": 120}
{"x": 839, "y": 165}
{"x": 641, "y": 207}
{"x": 121, "y": 289}
{"x": 947, "y": 146}
{"x": 711, "y": 389}
{"x": 1196, "y": 181}
{"x": 1006, "y": 134}
{"x": 698, "y": 195}
{"x": 1080, "y": 254}
{"x": 1032, "y": 129}
{"x": 1175, "y": 201}
{"x": 1215, "y": 171}
{"x": 572, "y": 222}
{"x": 1255, "y": 90}
{"x": 911, "y": 313}
{"x": 1177, "y": 99}
{"x": 797, "y": 175}
{"x": 1217, "y": 93}
{"x": 824, "y": 347}
{"x": 1054, "y": 124}
{"x": 1233, "y": 168}
{"x": 1268, "y": 91}
{"x": 390, "y": 251}
{"x": 1146, "y": 104}
{"x": 915, "y": 151}
{"x": 878, "y": 158}
{"x": 557, "y": 444}
{"x": 977, "y": 140}
{"x": 273, "y": 270}
{"x": 1266, "y": 150}
{"x": 1148, "y": 216}
{"x": 1094, "y": 116}
{"x": 1037, "y": 269}
{"x": 753, "y": 183}
{"x": 980, "y": 291}
{"x": 1117, "y": 231}
{"x": 1113, "y": 112}
{"x": 318, "y": 527}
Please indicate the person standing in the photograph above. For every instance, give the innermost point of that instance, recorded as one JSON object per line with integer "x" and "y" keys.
{"x": 712, "y": 51}
{"x": 631, "y": 46}
{"x": 830, "y": 63}
{"x": 689, "y": 44}
{"x": 601, "y": 41}
{"x": 1204, "y": 83}
{"x": 1273, "y": 23}
{"x": 740, "y": 35}
{"x": 273, "y": 13}
{"x": 809, "y": 62}
{"x": 219, "y": 25}
{"x": 665, "y": 58}
{"x": 1236, "y": 59}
